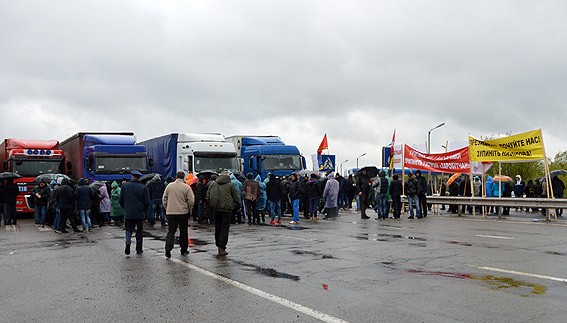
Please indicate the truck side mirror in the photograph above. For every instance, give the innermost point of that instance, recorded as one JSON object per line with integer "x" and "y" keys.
{"x": 190, "y": 163}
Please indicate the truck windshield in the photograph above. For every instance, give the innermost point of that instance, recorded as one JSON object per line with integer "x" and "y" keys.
{"x": 120, "y": 165}
{"x": 281, "y": 162}
{"x": 36, "y": 167}
{"x": 215, "y": 164}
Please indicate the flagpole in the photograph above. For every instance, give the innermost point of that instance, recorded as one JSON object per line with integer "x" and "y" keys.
{"x": 548, "y": 178}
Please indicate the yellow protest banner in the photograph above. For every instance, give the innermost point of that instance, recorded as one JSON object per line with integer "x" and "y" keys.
{"x": 521, "y": 147}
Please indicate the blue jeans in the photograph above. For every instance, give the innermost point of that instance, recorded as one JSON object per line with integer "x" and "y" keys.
{"x": 313, "y": 206}
{"x": 275, "y": 208}
{"x": 156, "y": 204}
{"x": 57, "y": 219}
{"x": 357, "y": 198}
{"x": 413, "y": 201}
{"x": 382, "y": 206}
{"x": 295, "y": 204}
{"x": 39, "y": 214}
{"x": 86, "y": 219}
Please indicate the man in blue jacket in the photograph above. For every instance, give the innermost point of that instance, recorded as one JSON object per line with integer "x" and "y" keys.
{"x": 135, "y": 199}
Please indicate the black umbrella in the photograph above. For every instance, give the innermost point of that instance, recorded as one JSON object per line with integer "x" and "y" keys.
{"x": 148, "y": 177}
{"x": 371, "y": 171}
{"x": 206, "y": 174}
{"x": 6, "y": 175}
{"x": 47, "y": 178}
{"x": 557, "y": 172}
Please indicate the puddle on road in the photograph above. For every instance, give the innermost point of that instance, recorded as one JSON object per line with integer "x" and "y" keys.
{"x": 555, "y": 253}
{"x": 495, "y": 281}
{"x": 270, "y": 272}
{"x": 466, "y": 244}
{"x": 296, "y": 227}
{"x": 303, "y": 252}
{"x": 383, "y": 236}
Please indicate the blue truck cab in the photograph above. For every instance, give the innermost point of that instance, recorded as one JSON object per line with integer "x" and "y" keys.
{"x": 103, "y": 156}
{"x": 261, "y": 155}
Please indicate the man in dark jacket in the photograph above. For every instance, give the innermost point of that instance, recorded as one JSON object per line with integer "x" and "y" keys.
{"x": 363, "y": 187}
{"x": 40, "y": 195}
{"x": 135, "y": 199}
{"x": 314, "y": 194}
{"x": 83, "y": 196}
{"x": 11, "y": 192}
{"x": 396, "y": 194}
{"x": 295, "y": 196}
{"x": 66, "y": 202}
{"x": 422, "y": 196}
{"x": 200, "y": 199}
{"x": 222, "y": 197}
{"x": 156, "y": 187}
{"x": 558, "y": 188}
{"x": 250, "y": 193}
{"x": 274, "y": 196}
{"x": 412, "y": 192}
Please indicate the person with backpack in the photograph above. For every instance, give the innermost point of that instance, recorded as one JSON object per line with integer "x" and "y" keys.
{"x": 412, "y": 190}
{"x": 381, "y": 186}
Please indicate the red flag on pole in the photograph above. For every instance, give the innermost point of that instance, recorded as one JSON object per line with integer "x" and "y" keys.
{"x": 392, "y": 150}
{"x": 323, "y": 145}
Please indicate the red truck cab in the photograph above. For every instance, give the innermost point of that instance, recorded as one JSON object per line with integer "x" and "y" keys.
{"x": 29, "y": 158}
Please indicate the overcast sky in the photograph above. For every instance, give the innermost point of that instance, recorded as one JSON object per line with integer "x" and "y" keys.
{"x": 297, "y": 69}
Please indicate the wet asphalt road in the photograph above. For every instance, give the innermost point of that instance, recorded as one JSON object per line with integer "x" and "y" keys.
{"x": 439, "y": 269}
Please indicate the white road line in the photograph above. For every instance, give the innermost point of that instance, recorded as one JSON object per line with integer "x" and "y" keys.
{"x": 523, "y": 274}
{"x": 276, "y": 299}
{"x": 494, "y": 237}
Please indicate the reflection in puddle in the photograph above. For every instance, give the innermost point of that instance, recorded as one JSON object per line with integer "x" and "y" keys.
{"x": 270, "y": 272}
{"x": 303, "y": 252}
{"x": 460, "y": 243}
{"x": 496, "y": 281}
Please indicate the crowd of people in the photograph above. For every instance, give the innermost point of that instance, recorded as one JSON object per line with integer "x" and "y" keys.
{"x": 227, "y": 199}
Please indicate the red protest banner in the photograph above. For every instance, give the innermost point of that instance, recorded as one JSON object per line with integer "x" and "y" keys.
{"x": 455, "y": 161}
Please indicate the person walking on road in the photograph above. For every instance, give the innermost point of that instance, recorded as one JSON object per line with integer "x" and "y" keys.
{"x": 222, "y": 198}
{"x": 295, "y": 196}
{"x": 156, "y": 187}
{"x": 274, "y": 194}
{"x": 331, "y": 196}
{"x": 422, "y": 193}
{"x": 178, "y": 200}
{"x": 135, "y": 199}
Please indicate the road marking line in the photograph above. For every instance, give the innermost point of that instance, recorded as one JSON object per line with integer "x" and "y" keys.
{"x": 276, "y": 299}
{"x": 495, "y": 237}
{"x": 524, "y": 274}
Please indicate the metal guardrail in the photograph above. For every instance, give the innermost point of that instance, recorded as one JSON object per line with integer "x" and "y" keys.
{"x": 546, "y": 203}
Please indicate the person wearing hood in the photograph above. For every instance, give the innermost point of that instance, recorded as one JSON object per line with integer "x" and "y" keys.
{"x": 116, "y": 210}
{"x": 381, "y": 186}
{"x": 262, "y": 200}
{"x": 237, "y": 213}
{"x": 156, "y": 187}
{"x": 135, "y": 199}
{"x": 519, "y": 187}
{"x": 274, "y": 196}
{"x": 250, "y": 193}
{"x": 40, "y": 194}
{"x": 178, "y": 200}
{"x": 558, "y": 190}
{"x": 53, "y": 205}
{"x": 104, "y": 204}
{"x": 314, "y": 194}
{"x": 331, "y": 196}
{"x": 200, "y": 197}
{"x": 489, "y": 191}
{"x": 222, "y": 196}
{"x": 66, "y": 203}
{"x": 83, "y": 196}
{"x": 295, "y": 196}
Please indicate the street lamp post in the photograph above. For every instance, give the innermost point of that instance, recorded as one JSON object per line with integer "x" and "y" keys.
{"x": 358, "y": 158}
{"x": 429, "y": 149}
{"x": 341, "y": 167}
{"x": 429, "y": 136}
